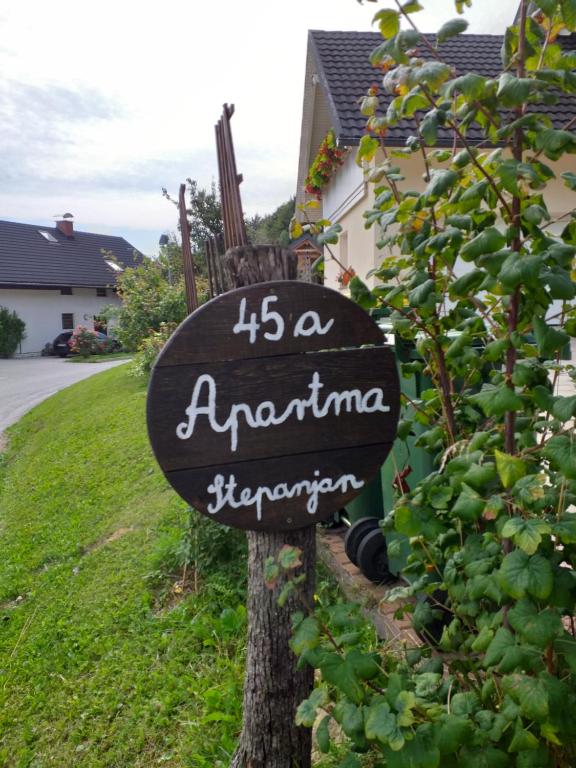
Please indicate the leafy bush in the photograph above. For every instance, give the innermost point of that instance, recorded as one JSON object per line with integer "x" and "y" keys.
{"x": 152, "y": 294}
{"x": 150, "y": 348}
{"x": 492, "y": 531}
{"x": 85, "y": 342}
{"x": 12, "y": 332}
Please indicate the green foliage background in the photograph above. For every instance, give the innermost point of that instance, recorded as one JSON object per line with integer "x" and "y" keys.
{"x": 490, "y": 578}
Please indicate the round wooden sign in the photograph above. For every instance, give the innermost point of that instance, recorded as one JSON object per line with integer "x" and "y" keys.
{"x": 271, "y": 406}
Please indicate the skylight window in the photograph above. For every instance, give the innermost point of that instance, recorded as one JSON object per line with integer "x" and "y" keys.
{"x": 114, "y": 265}
{"x": 47, "y": 236}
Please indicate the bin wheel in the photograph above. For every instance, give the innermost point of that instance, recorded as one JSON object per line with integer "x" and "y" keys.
{"x": 373, "y": 557}
{"x": 354, "y": 536}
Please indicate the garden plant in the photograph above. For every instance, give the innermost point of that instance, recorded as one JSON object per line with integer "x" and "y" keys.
{"x": 491, "y": 586}
{"x": 12, "y": 332}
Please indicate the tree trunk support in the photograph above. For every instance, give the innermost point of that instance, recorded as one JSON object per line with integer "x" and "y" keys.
{"x": 273, "y": 687}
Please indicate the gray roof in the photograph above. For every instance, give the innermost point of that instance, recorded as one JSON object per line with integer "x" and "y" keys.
{"x": 27, "y": 258}
{"x": 345, "y": 72}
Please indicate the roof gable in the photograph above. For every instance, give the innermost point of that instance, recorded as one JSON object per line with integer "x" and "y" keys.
{"x": 28, "y": 258}
{"x": 344, "y": 69}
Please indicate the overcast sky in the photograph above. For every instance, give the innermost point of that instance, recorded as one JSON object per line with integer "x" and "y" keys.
{"x": 103, "y": 103}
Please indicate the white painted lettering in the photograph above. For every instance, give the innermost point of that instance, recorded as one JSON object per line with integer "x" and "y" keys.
{"x": 254, "y": 498}
{"x": 265, "y": 415}
{"x": 309, "y": 323}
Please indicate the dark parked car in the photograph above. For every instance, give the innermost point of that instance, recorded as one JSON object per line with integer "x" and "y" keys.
{"x": 61, "y": 344}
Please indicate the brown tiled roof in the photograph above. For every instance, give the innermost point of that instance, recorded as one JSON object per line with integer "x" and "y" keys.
{"x": 27, "y": 258}
{"x": 346, "y": 74}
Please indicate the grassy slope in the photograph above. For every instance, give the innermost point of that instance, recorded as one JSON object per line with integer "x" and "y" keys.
{"x": 91, "y": 673}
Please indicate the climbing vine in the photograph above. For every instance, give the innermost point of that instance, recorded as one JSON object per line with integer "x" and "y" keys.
{"x": 478, "y": 279}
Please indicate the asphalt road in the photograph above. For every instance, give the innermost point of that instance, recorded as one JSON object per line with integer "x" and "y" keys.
{"x": 26, "y": 382}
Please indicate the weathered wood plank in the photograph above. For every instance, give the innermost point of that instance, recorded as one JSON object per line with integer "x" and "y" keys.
{"x": 207, "y": 335}
{"x": 338, "y": 381}
{"x": 214, "y": 488}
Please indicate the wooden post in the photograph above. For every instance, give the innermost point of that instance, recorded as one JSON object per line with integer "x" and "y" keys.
{"x": 188, "y": 262}
{"x": 273, "y": 687}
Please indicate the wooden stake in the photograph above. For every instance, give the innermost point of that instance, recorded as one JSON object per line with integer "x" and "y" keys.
{"x": 273, "y": 687}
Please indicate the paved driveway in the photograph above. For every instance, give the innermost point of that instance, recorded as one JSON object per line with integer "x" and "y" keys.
{"x": 26, "y": 382}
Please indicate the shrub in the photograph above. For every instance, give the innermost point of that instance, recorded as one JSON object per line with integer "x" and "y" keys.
{"x": 85, "y": 342}
{"x": 490, "y": 584}
{"x": 12, "y": 332}
{"x": 150, "y": 348}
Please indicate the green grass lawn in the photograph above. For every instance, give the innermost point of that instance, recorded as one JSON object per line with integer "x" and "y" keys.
{"x": 102, "y": 663}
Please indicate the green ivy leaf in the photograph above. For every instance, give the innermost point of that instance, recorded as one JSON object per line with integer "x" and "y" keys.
{"x": 560, "y": 451}
{"x": 388, "y": 22}
{"x": 306, "y": 637}
{"x": 519, "y": 269}
{"x": 566, "y": 646}
{"x": 405, "y": 703}
{"x": 427, "y": 684}
{"x": 496, "y": 400}
{"x": 464, "y": 703}
{"x": 527, "y": 533}
{"x": 440, "y": 496}
{"x": 412, "y": 6}
{"x": 470, "y": 85}
{"x": 451, "y": 29}
{"x": 548, "y": 339}
{"x": 306, "y": 712}
{"x": 381, "y": 726}
{"x": 554, "y": 143}
{"x": 564, "y": 408}
{"x": 365, "y": 665}
{"x": 429, "y": 127}
{"x": 565, "y": 529}
{"x": 503, "y": 639}
{"x": 330, "y": 235}
{"x": 488, "y": 241}
{"x": 340, "y": 672}
{"x": 452, "y": 733}
{"x": 513, "y": 91}
{"x": 535, "y": 627}
{"x": 366, "y": 149}
{"x": 483, "y": 640}
{"x": 529, "y": 693}
{"x": 441, "y": 182}
{"x": 521, "y": 574}
{"x": 289, "y": 557}
{"x": 361, "y": 294}
{"x": 350, "y": 717}
{"x": 419, "y": 296}
{"x": 569, "y": 179}
{"x": 467, "y": 284}
{"x": 323, "y": 735}
{"x": 469, "y": 505}
{"x": 522, "y": 739}
{"x": 510, "y": 468}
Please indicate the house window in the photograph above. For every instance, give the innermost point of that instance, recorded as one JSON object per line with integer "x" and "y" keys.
{"x": 66, "y": 291}
{"x": 67, "y": 321}
{"x": 100, "y": 291}
{"x": 47, "y": 236}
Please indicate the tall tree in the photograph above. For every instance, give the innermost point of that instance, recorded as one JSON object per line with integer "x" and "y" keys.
{"x": 271, "y": 229}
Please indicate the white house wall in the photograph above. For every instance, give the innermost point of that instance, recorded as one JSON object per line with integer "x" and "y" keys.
{"x": 358, "y": 249}
{"x": 42, "y": 312}
{"x": 344, "y": 200}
